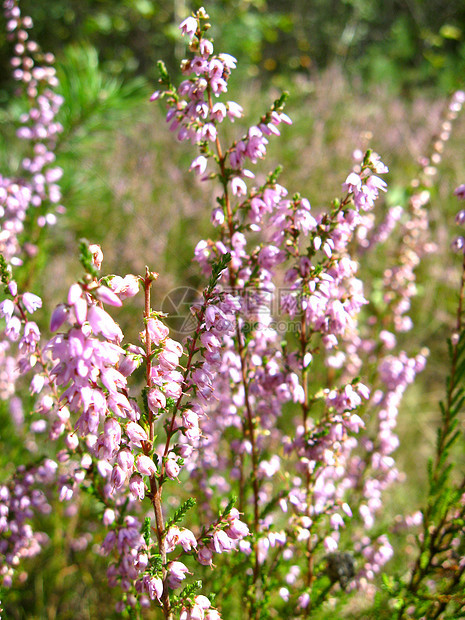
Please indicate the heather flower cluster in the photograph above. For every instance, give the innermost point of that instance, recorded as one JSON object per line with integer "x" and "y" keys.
{"x": 248, "y": 464}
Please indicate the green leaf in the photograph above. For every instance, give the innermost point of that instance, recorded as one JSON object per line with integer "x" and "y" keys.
{"x": 180, "y": 513}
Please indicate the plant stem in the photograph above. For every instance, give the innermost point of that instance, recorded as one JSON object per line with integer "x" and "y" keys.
{"x": 155, "y": 489}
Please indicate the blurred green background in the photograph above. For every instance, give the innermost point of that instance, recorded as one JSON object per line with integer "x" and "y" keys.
{"x": 359, "y": 73}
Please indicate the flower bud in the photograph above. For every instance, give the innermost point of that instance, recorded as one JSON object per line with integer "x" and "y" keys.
{"x": 145, "y": 465}
{"x": 137, "y": 487}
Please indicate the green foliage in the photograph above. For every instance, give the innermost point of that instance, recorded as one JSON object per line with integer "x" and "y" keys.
{"x": 217, "y": 269}
{"x": 86, "y": 259}
{"x": 418, "y": 43}
{"x": 180, "y": 513}
{"x": 94, "y": 99}
{"x": 146, "y": 527}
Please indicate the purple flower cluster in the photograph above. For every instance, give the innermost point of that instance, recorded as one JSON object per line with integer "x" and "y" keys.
{"x": 20, "y": 501}
{"x": 286, "y": 393}
{"x": 36, "y": 74}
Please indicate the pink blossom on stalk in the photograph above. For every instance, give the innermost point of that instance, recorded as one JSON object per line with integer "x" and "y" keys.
{"x": 172, "y": 467}
{"x": 118, "y": 478}
{"x": 205, "y": 556}
{"x": 156, "y": 400}
{"x": 102, "y": 323}
{"x": 158, "y": 331}
{"x": 180, "y": 536}
{"x": 153, "y": 586}
{"x": 107, "y": 296}
{"x": 125, "y": 287}
{"x": 460, "y": 192}
{"x": 188, "y": 27}
{"x": 176, "y": 574}
{"x": 31, "y": 302}
{"x": 74, "y": 293}
{"x": 199, "y": 164}
{"x": 59, "y": 316}
{"x": 238, "y": 187}
{"x": 7, "y": 308}
{"x": 137, "y": 487}
{"x": 221, "y": 541}
{"x": 145, "y": 465}
{"x": 135, "y": 433}
{"x": 125, "y": 459}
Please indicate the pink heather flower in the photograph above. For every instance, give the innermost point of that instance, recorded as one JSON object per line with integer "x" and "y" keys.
{"x": 136, "y": 433}
{"x": 336, "y": 521}
{"x": 180, "y": 536}
{"x": 457, "y": 244}
{"x": 102, "y": 323}
{"x": 7, "y": 308}
{"x": 31, "y": 302}
{"x": 172, "y": 389}
{"x": 238, "y": 187}
{"x": 118, "y": 477}
{"x": 304, "y": 600}
{"x": 206, "y": 47}
{"x": 59, "y": 316}
{"x": 145, "y": 465}
{"x": 97, "y": 255}
{"x": 460, "y": 217}
{"x": 237, "y": 529}
{"x": 125, "y": 287}
{"x": 352, "y": 183}
{"x": 202, "y": 601}
{"x": 209, "y": 132}
{"x": 13, "y": 288}
{"x": 109, "y": 517}
{"x": 37, "y": 383}
{"x": 129, "y": 362}
{"x": 375, "y": 183}
{"x": 72, "y": 441}
{"x": 176, "y": 574}
{"x": 74, "y": 293}
{"x": 156, "y": 400}
{"x": 228, "y": 60}
{"x": 107, "y": 296}
{"x": 221, "y": 541}
{"x": 13, "y": 328}
{"x": 173, "y": 346}
{"x": 158, "y": 331}
{"x": 217, "y": 217}
{"x": 80, "y": 310}
{"x": 187, "y": 539}
{"x": 330, "y": 544}
{"x": 234, "y": 110}
{"x": 172, "y": 467}
{"x": 199, "y": 164}
{"x": 153, "y": 586}
{"x": 205, "y": 556}
{"x": 125, "y": 459}
{"x": 188, "y": 27}
{"x": 137, "y": 487}
{"x": 377, "y": 165}
{"x": 460, "y": 192}
{"x": 219, "y": 112}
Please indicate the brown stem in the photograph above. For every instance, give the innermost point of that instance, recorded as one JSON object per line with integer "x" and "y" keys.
{"x": 432, "y": 532}
{"x": 155, "y": 489}
{"x": 250, "y": 420}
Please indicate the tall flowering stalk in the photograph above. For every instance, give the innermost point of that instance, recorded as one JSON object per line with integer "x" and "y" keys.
{"x": 436, "y": 582}
{"x": 312, "y": 255}
{"x": 277, "y": 414}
